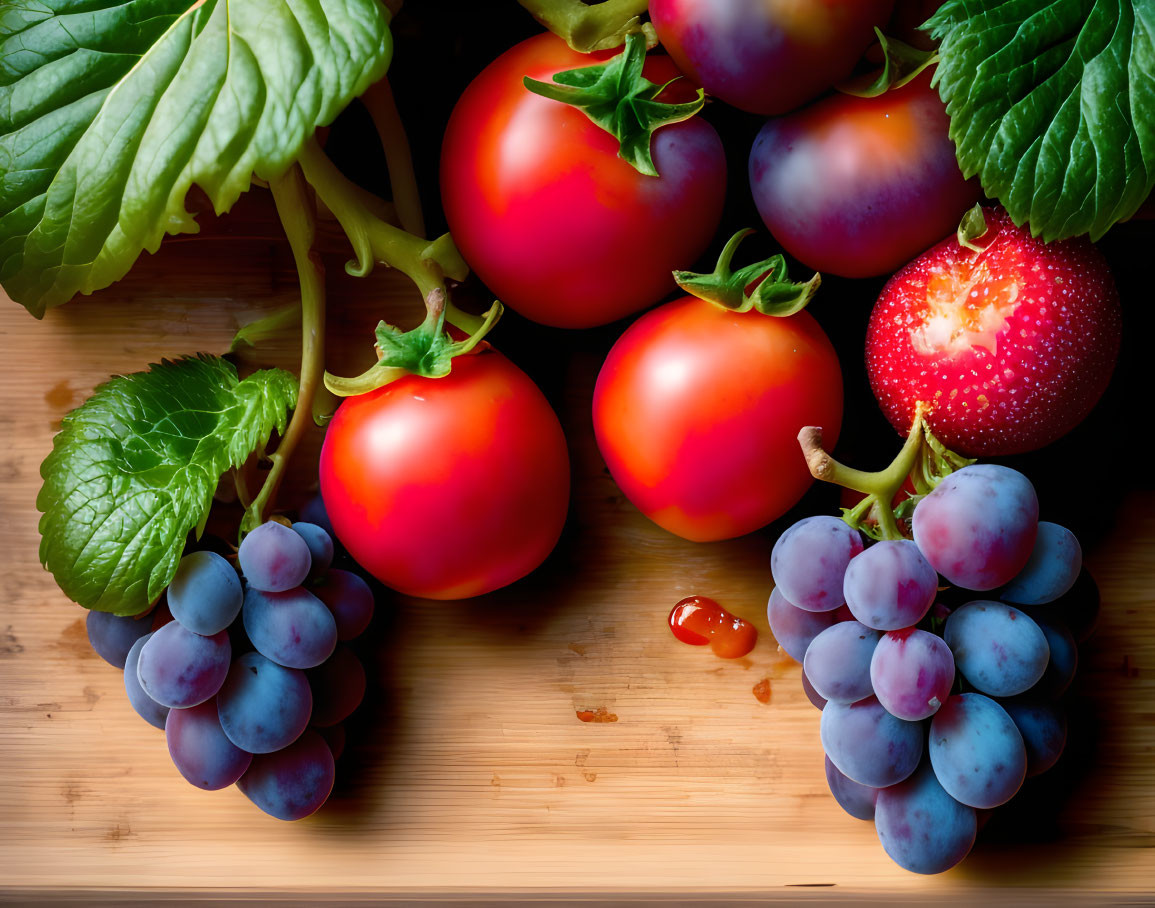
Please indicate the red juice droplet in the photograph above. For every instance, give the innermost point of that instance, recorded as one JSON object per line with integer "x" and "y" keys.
{"x": 698, "y": 620}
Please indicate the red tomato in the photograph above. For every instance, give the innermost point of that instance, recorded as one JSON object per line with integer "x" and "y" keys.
{"x": 697, "y": 411}
{"x": 551, "y": 219}
{"x": 450, "y": 487}
{"x": 859, "y": 186}
{"x": 767, "y": 56}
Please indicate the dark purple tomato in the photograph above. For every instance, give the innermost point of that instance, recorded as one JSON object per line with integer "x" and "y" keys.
{"x": 859, "y": 186}
{"x": 767, "y": 56}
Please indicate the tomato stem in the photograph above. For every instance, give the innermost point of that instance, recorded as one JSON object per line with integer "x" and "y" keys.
{"x": 382, "y": 107}
{"x": 298, "y": 215}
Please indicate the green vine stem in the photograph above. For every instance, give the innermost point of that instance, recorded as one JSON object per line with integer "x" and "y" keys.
{"x": 382, "y": 107}
{"x": 427, "y": 263}
{"x": 295, "y": 208}
{"x": 879, "y": 488}
{"x": 589, "y": 27}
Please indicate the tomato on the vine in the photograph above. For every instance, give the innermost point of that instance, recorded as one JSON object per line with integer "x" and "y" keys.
{"x": 548, "y": 215}
{"x": 697, "y": 411}
{"x": 447, "y": 488}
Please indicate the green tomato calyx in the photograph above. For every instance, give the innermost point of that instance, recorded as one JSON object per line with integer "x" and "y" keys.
{"x": 618, "y": 98}
{"x": 772, "y": 293}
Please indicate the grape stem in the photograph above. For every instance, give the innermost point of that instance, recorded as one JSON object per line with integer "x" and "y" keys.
{"x": 298, "y": 215}
{"x": 880, "y": 488}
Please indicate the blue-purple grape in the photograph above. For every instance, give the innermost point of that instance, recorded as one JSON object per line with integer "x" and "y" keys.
{"x": 338, "y": 686}
{"x": 857, "y": 800}
{"x": 293, "y": 628}
{"x": 1043, "y": 725}
{"x": 200, "y": 749}
{"x": 320, "y": 544}
{"x": 912, "y": 672}
{"x": 205, "y": 594}
{"x": 1063, "y": 661}
{"x": 837, "y": 662}
{"x": 263, "y": 706}
{"x": 314, "y": 512}
{"x": 809, "y": 561}
{"x": 179, "y": 668}
{"x": 921, "y": 827}
{"x": 146, "y": 707}
{"x": 816, "y": 699}
{"x": 976, "y": 751}
{"x": 291, "y": 783}
{"x": 1054, "y": 565}
{"x": 350, "y": 600}
{"x": 868, "y": 744}
{"x": 890, "y": 585}
{"x": 977, "y": 527}
{"x": 112, "y": 636}
{"x": 794, "y": 627}
{"x": 996, "y": 647}
{"x": 273, "y": 558}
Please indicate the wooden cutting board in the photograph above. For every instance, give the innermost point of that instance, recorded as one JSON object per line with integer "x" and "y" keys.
{"x": 468, "y": 770}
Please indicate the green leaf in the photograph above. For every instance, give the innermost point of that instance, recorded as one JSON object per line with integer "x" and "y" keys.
{"x": 110, "y": 111}
{"x": 774, "y": 294}
{"x": 134, "y": 469}
{"x": 618, "y": 98}
{"x": 1052, "y": 104}
{"x": 901, "y": 63}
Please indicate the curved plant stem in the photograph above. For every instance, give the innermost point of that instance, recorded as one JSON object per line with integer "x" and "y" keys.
{"x": 597, "y": 26}
{"x": 295, "y": 208}
{"x": 427, "y": 263}
{"x": 382, "y": 107}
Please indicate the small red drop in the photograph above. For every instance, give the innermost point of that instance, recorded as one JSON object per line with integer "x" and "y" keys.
{"x": 698, "y": 620}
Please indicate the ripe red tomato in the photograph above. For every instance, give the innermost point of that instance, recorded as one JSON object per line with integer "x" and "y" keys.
{"x": 697, "y": 411}
{"x": 450, "y": 487}
{"x": 558, "y": 226}
{"x": 859, "y": 186}
{"x": 767, "y": 56}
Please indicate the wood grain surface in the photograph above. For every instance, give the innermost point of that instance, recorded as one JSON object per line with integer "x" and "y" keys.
{"x": 468, "y": 770}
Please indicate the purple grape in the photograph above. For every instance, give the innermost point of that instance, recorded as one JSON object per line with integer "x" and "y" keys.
{"x": 921, "y": 827}
{"x": 812, "y": 695}
{"x": 112, "y": 636}
{"x": 996, "y": 647}
{"x": 201, "y": 750}
{"x": 857, "y": 800}
{"x": 146, "y": 707}
{"x": 868, "y": 744}
{"x": 890, "y": 585}
{"x": 350, "y": 600}
{"x": 338, "y": 686}
{"x": 320, "y": 545}
{"x": 292, "y": 628}
{"x": 291, "y": 783}
{"x": 809, "y": 561}
{"x": 263, "y": 706}
{"x": 314, "y": 512}
{"x": 273, "y": 558}
{"x": 1043, "y": 725}
{"x": 912, "y": 672}
{"x": 794, "y": 627}
{"x": 205, "y": 594}
{"x": 1052, "y": 569}
{"x": 179, "y": 668}
{"x": 1063, "y": 661}
{"x": 977, "y": 528}
{"x": 837, "y": 662}
{"x": 976, "y": 751}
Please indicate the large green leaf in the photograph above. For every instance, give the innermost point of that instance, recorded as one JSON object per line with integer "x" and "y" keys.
{"x": 1052, "y": 104}
{"x": 135, "y": 467}
{"x": 111, "y": 110}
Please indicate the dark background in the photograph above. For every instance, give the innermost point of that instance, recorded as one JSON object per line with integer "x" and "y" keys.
{"x": 441, "y": 45}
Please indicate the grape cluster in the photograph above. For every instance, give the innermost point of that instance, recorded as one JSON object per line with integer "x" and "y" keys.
{"x": 931, "y": 714}
{"x": 258, "y": 701}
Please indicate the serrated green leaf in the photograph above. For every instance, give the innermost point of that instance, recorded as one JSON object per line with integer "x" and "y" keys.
{"x": 110, "y": 111}
{"x": 134, "y": 469}
{"x": 1052, "y": 104}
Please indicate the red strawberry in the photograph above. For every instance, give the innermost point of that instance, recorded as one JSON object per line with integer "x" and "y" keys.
{"x": 1009, "y": 347}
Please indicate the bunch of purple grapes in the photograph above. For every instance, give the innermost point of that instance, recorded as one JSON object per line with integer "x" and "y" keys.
{"x": 932, "y": 715}
{"x": 257, "y": 701}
